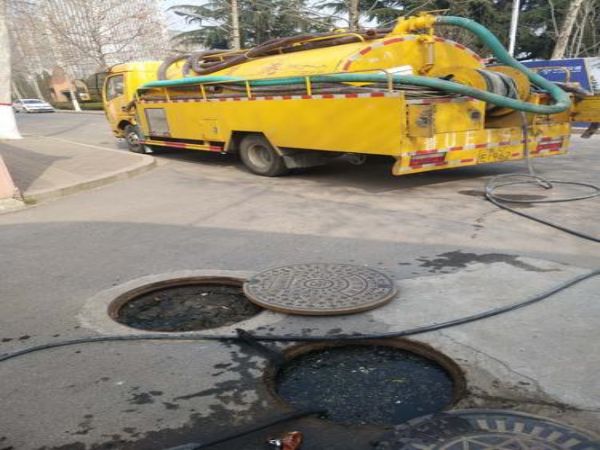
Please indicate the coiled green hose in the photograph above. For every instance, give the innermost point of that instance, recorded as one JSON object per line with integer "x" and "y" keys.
{"x": 560, "y": 97}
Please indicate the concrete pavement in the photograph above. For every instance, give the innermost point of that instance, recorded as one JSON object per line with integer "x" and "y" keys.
{"x": 48, "y": 167}
{"x": 450, "y": 252}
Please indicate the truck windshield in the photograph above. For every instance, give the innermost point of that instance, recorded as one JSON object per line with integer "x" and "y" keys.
{"x": 114, "y": 87}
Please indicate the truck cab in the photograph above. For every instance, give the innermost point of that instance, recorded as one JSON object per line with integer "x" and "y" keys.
{"x": 119, "y": 89}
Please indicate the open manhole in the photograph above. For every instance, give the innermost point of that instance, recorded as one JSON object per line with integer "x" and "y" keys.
{"x": 369, "y": 383}
{"x": 188, "y": 304}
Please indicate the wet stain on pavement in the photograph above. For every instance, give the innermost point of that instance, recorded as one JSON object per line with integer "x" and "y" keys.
{"x": 450, "y": 261}
{"x": 143, "y": 398}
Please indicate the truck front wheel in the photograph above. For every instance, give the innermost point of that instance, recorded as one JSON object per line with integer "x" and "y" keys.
{"x": 134, "y": 138}
{"x": 259, "y": 156}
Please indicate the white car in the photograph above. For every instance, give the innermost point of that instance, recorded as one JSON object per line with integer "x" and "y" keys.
{"x": 30, "y": 105}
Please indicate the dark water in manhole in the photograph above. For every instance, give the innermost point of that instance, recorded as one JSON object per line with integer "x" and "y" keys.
{"x": 187, "y": 308}
{"x": 366, "y": 384}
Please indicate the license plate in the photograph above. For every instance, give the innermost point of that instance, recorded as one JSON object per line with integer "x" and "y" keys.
{"x": 494, "y": 155}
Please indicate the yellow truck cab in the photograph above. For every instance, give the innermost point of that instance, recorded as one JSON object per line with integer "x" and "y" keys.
{"x": 119, "y": 90}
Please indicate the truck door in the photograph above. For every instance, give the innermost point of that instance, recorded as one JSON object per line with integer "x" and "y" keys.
{"x": 114, "y": 99}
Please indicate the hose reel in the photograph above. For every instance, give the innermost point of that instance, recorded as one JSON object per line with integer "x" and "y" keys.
{"x": 499, "y": 80}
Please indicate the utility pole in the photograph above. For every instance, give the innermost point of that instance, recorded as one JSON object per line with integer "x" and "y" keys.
{"x": 514, "y": 23}
{"x": 567, "y": 28}
{"x": 8, "y": 125}
{"x": 235, "y": 26}
{"x": 353, "y": 14}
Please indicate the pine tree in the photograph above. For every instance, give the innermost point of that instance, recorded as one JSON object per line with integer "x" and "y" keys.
{"x": 260, "y": 20}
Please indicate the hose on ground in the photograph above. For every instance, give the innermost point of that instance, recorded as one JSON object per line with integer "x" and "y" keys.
{"x": 533, "y": 179}
{"x": 251, "y": 429}
{"x": 304, "y": 338}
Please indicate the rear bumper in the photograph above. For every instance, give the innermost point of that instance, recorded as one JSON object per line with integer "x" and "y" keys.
{"x": 470, "y": 148}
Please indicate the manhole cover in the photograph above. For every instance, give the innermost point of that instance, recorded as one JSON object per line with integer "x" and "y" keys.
{"x": 320, "y": 289}
{"x": 367, "y": 384}
{"x": 184, "y": 307}
{"x": 485, "y": 430}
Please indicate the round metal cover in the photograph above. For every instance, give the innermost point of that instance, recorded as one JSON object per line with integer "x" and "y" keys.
{"x": 485, "y": 430}
{"x": 320, "y": 289}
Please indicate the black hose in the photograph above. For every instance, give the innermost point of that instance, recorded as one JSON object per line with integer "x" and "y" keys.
{"x": 301, "y": 338}
{"x": 492, "y": 185}
{"x": 251, "y": 429}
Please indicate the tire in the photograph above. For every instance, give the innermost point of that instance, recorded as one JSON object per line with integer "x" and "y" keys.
{"x": 133, "y": 136}
{"x": 259, "y": 157}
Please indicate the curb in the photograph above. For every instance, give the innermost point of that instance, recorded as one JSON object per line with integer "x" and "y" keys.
{"x": 147, "y": 164}
{"x": 68, "y": 111}
{"x": 10, "y": 205}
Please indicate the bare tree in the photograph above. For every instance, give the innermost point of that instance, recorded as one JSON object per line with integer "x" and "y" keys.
{"x": 100, "y": 31}
{"x": 564, "y": 35}
{"x": 8, "y": 126}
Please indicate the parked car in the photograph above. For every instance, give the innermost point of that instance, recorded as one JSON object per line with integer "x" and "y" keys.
{"x": 30, "y": 105}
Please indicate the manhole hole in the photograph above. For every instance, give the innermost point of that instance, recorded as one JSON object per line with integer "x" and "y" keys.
{"x": 320, "y": 289}
{"x": 485, "y": 430}
{"x": 184, "y": 305}
{"x": 374, "y": 382}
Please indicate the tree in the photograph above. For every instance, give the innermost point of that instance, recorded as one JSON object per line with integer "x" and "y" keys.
{"x": 98, "y": 31}
{"x": 567, "y": 28}
{"x": 8, "y": 126}
{"x": 259, "y": 20}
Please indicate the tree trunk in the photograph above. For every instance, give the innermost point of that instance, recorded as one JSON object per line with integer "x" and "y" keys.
{"x": 353, "y": 14}
{"x": 236, "y": 43}
{"x": 36, "y": 87}
{"x": 566, "y": 29}
{"x": 8, "y": 126}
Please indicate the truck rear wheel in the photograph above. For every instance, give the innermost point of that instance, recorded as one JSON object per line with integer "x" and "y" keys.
{"x": 259, "y": 156}
{"x": 134, "y": 138}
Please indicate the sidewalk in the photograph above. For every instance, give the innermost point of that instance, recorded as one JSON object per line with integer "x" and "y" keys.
{"x": 45, "y": 168}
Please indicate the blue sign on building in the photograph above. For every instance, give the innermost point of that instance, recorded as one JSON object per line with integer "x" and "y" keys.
{"x": 584, "y": 71}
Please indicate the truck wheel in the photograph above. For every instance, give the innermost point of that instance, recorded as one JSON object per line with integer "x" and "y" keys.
{"x": 134, "y": 137}
{"x": 260, "y": 157}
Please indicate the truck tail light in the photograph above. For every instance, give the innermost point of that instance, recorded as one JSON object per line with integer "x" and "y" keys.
{"x": 438, "y": 159}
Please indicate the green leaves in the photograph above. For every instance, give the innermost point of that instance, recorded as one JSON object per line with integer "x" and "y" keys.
{"x": 260, "y": 20}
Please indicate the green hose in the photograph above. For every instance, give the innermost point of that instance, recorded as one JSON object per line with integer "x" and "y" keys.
{"x": 560, "y": 97}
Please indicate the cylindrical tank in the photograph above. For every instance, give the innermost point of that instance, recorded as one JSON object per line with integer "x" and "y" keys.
{"x": 393, "y": 52}
{"x": 416, "y": 54}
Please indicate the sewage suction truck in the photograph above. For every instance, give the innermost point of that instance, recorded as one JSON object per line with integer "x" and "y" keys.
{"x": 427, "y": 102}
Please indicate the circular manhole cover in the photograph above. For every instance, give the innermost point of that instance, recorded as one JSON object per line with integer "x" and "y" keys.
{"x": 320, "y": 289}
{"x": 368, "y": 384}
{"x": 485, "y": 430}
{"x": 184, "y": 306}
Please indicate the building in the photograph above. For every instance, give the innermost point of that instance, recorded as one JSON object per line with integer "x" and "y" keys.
{"x": 84, "y": 37}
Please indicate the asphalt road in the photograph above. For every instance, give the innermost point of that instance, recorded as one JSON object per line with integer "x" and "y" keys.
{"x": 204, "y": 212}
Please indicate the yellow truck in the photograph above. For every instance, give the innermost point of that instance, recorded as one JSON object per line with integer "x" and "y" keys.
{"x": 426, "y": 101}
